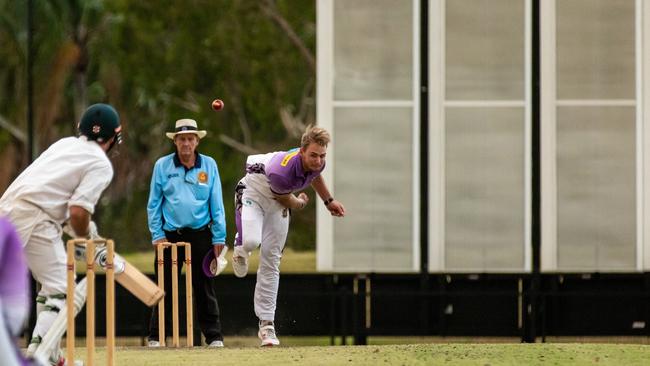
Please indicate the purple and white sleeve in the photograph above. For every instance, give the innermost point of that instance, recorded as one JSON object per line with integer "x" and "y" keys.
{"x": 14, "y": 278}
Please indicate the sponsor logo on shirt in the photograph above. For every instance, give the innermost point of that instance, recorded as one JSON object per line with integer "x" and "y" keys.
{"x": 290, "y": 155}
{"x": 173, "y": 175}
{"x": 203, "y": 177}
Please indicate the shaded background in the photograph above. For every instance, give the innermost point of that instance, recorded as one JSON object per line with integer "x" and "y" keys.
{"x": 157, "y": 62}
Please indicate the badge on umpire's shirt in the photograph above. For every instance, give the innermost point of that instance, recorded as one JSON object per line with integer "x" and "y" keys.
{"x": 203, "y": 177}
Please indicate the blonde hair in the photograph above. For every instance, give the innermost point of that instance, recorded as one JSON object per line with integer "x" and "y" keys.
{"x": 315, "y": 134}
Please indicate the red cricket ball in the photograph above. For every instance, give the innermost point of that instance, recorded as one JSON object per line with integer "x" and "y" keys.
{"x": 217, "y": 104}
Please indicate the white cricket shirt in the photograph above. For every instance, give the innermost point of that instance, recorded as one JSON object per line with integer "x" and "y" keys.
{"x": 71, "y": 172}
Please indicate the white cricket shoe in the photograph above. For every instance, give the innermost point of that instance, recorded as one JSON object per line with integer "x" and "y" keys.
{"x": 240, "y": 261}
{"x": 267, "y": 335}
{"x": 76, "y": 363}
{"x": 216, "y": 344}
{"x": 153, "y": 344}
{"x": 63, "y": 362}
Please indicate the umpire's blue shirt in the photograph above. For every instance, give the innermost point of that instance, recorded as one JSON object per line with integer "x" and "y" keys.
{"x": 186, "y": 198}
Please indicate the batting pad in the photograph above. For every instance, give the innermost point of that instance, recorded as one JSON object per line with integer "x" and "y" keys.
{"x": 51, "y": 339}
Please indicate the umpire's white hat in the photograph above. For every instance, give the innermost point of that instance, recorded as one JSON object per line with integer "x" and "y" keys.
{"x": 186, "y": 125}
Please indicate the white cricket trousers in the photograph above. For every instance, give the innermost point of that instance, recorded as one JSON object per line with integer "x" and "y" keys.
{"x": 264, "y": 223}
{"x": 46, "y": 259}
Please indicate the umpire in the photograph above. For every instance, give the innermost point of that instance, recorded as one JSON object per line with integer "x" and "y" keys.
{"x": 186, "y": 204}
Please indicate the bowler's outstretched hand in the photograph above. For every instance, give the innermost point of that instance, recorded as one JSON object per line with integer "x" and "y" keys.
{"x": 336, "y": 208}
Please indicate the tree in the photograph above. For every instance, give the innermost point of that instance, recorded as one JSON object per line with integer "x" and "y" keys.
{"x": 156, "y": 64}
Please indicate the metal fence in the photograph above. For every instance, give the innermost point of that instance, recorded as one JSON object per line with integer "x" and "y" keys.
{"x": 354, "y": 307}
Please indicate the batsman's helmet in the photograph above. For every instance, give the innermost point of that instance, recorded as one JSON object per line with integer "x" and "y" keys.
{"x": 100, "y": 122}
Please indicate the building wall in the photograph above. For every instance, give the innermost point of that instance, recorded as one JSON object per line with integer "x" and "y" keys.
{"x": 495, "y": 70}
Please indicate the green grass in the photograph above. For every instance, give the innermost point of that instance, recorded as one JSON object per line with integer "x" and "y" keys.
{"x": 292, "y": 261}
{"x": 410, "y": 354}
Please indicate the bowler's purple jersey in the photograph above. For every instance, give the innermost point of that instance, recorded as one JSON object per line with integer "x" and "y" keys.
{"x": 277, "y": 173}
{"x": 286, "y": 174}
{"x": 268, "y": 175}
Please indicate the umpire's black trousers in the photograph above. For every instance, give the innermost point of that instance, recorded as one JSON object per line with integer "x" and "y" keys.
{"x": 204, "y": 293}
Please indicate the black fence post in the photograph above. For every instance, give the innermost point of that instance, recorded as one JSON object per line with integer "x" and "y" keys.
{"x": 332, "y": 295}
{"x": 646, "y": 282}
{"x": 344, "y": 298}
{"x": 359, "y": 309}
{"x": 442, "y": 287}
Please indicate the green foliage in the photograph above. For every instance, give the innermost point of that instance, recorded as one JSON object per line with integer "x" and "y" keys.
{"x": 157, "y": 61}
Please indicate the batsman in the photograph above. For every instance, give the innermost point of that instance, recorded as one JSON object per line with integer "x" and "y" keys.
{"x": 61, "y": 188}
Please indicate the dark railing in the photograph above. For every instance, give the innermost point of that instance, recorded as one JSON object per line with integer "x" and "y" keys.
{"x": 354, "y": 307}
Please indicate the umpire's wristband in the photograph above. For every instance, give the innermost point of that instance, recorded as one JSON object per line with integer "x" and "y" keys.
{"x": 328, "y": 201}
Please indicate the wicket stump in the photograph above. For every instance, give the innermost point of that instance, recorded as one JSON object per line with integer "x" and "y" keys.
{"x": 90, "y": 300}
{"x": 188, "y": 292}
